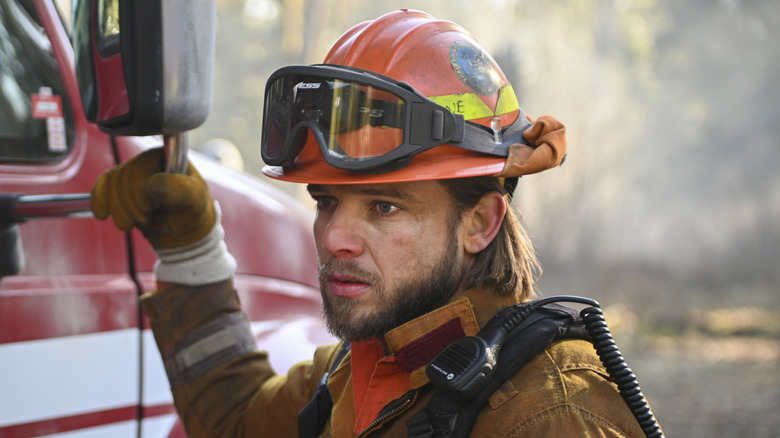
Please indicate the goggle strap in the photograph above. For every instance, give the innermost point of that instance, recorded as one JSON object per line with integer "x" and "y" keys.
{"x": 437, "y": 127}
{"x": 478, "y": 138}
{"x": 460, "y": 128}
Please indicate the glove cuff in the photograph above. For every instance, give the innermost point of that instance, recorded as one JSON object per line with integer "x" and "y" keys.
{"x": 203, "y": 262}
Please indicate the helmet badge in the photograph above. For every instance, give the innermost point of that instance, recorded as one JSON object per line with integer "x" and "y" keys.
{"x": 475, "y": 68}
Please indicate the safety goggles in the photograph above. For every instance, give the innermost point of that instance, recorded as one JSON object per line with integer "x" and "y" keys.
{"x": 365, "y": 122}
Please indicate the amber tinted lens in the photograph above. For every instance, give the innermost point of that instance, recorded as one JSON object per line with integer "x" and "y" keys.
{"x": 357, "y": 121}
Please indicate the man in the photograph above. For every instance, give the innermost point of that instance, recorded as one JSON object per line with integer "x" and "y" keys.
{"x": 417, "y": 245}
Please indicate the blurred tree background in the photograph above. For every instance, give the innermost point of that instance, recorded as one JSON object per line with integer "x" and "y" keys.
{"x": 667, "y": 209}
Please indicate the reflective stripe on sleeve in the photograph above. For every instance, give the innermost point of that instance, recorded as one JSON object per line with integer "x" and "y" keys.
{"x": 208, "y": 347}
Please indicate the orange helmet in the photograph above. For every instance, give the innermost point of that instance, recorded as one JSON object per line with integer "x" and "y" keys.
{"x": 439, "y": 61}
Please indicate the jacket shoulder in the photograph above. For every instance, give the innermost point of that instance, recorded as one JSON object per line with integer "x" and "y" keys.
{"x": 562, "y": 391}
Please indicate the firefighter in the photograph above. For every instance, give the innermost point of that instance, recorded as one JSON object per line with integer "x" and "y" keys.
{"x": 411, "y": 141}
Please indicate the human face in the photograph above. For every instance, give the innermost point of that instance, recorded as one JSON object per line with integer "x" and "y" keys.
{"x": 387, "y": 254}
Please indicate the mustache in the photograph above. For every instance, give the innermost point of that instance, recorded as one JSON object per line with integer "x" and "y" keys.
{"x": 346, "y": 268}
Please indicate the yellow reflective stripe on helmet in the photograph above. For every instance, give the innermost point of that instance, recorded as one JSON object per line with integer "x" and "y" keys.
{"x": 471, "y": 106}
{"x": 507, "y": 101}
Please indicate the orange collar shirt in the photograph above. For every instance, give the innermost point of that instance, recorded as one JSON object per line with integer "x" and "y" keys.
{"x": 379, "y": 376}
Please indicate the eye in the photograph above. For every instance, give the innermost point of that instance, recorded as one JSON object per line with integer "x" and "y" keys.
{"x": 386, "y": 207}
{"x": 324, "y": 202}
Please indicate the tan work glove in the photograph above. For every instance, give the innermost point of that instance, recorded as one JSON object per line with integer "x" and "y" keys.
{"x": 171, "y": 209}
{"x": 174, "y": 212}
{"x": 547, "y": 140}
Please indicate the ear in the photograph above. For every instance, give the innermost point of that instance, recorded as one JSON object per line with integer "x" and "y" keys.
{"x": 482, "y": 223}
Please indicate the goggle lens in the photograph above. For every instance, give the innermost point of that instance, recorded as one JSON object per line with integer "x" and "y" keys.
{"x": 356, "y": 121}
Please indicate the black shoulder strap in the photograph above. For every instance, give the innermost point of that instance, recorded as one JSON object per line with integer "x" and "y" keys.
{"x": 447, "y": 416}
{"x": 313, "y": 416}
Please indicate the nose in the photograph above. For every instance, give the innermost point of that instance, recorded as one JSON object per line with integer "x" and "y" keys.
{"x": 339, "y": 233}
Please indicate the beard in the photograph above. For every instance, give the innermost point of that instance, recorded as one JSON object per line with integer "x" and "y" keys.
{"x": 411, "y": 299}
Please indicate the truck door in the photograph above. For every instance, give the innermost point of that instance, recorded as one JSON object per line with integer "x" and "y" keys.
{"x": 69, "y": 319}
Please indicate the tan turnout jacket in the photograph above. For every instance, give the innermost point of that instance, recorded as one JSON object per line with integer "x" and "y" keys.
{"x": 223, "y": 387}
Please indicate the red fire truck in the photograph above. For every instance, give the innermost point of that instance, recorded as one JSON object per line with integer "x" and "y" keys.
{"x": 76, "y": 356}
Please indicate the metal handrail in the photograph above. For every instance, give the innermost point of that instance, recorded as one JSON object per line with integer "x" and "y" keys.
{"x": 78, "y": 204}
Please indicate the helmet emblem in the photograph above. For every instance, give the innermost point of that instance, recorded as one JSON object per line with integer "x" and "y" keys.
{"x": 474, "y": 67}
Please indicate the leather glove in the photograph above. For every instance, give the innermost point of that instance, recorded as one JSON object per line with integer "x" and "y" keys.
{"x": 174, "y": 212}
{"x": 171, "y": 210}
{"x": 547, "y": 140}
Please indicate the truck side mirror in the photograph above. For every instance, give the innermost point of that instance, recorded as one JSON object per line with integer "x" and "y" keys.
{"x": 145, "y": 67}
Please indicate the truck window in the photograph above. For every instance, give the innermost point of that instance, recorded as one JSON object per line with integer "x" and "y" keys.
{"x": 36, "y": 122}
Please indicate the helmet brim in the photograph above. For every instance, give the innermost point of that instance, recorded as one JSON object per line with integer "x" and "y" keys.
{"x": 442, "y": 162}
